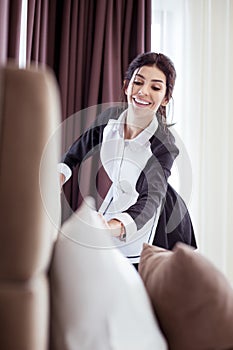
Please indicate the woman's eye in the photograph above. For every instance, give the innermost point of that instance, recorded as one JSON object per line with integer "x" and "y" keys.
{"x": 156, "y": 88}
{"x": 136, "y": 82}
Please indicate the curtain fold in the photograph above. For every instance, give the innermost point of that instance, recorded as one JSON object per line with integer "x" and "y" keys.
{"x": 10, "y": 25}
{"x": 4, "y": 10}
{"x": 14, "y": 29}
{"x": 37, "y": 31}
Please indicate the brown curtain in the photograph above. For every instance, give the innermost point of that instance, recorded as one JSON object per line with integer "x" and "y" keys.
{"x": 88, "y": 44}
{"x": 10, "y": 17}
{"x": 98, "y": 40}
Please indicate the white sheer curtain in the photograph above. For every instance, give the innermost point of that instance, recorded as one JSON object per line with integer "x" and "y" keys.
{"x": 198, "y": 36}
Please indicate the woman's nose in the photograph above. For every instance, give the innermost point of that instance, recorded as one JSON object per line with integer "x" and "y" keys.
{"x": 143, "y": 90}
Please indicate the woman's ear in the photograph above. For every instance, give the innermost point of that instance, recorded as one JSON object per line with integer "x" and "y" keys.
{"x": 164, "y": 102}
{"x": 125, "y": 87}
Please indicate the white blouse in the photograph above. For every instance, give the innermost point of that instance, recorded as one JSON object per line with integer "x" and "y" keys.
{"x": 123, "y": 161}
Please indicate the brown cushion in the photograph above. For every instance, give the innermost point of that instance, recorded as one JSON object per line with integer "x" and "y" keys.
{"x": 192, "y": 299}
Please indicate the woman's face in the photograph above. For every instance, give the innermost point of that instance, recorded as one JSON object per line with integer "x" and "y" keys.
{"x": 147, "y": 89}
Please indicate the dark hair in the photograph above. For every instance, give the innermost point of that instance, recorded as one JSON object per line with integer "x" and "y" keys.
{"x": 163, "y": 63}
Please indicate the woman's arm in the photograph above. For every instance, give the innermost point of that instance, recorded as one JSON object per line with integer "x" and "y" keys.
{"x": 151, "y": 187}
{"x": 91, "y": 139}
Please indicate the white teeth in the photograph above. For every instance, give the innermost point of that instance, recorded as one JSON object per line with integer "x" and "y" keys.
{"x": 141, "y": 102}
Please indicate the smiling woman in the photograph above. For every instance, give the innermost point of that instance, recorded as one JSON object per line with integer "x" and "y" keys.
{"x": 137, "y": 151}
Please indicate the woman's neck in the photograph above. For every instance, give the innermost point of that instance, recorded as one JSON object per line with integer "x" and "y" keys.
{"x": 130, "y": 131}
{"x": 135, "y": 124}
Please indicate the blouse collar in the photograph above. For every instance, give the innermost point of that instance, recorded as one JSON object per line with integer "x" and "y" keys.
{"x": 140, "y": 139}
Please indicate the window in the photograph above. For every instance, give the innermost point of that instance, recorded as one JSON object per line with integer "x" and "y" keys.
{"x": 168, "y": 37}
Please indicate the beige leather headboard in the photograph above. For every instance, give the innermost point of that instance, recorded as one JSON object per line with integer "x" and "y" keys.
{"x": 29, "y": 203}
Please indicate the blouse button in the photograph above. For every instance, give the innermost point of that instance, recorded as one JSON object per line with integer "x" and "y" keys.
{"x": 125, "y": 186}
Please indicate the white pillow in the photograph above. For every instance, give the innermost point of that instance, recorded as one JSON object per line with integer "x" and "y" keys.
{"x": 99, "y": 301}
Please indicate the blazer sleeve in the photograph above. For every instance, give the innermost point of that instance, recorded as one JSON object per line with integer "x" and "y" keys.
{"x": 153, "y": 181}
{"x": 90, "y": 141}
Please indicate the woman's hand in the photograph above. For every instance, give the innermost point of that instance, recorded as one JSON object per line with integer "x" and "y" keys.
{"x": 115, "y": 226}
{"x": 118, "y": 229}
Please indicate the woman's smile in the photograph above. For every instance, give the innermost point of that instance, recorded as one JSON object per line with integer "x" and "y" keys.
{"x": 139, "y": 102}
